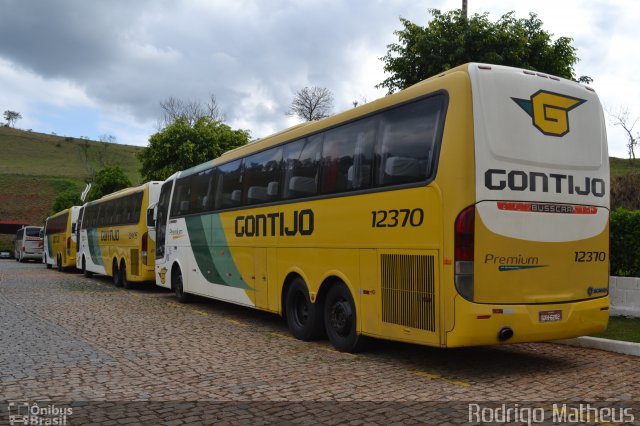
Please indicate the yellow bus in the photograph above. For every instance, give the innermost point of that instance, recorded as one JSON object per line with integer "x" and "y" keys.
{"x": 115, "y": 238}
{"x": 469, "y": 209}
{"x": 60, "y": 239}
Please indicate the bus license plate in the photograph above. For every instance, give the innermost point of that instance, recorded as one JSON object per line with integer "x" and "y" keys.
{"x": 550, "y": 316}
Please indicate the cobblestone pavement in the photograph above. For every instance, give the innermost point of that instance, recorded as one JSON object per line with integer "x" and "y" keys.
{"x": 117, "y": 356}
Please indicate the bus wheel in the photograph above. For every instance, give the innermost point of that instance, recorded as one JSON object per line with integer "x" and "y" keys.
{"x": 84, "y": 268}
{"x": 178, "y": 286}
{"x": 340, "y": 320}
{"x": 116, "y": 274}
{"x": 303, "y": 317}
{"x": 59, "y": 262}
{"x": 123, "y": 276}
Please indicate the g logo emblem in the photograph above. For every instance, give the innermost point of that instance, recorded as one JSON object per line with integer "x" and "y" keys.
{"x": 163, "y": 275}
{"x": 549, "y": 111}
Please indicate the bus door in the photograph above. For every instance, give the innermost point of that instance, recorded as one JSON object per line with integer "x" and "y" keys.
{"x": 162, "y": 216}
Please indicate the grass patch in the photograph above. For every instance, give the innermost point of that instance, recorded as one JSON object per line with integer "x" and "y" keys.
{"x": 622, "y": 328}
{"x": 623, "y": 167}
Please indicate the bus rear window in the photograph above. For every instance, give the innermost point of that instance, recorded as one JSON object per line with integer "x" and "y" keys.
{"x": 33, "y": 232}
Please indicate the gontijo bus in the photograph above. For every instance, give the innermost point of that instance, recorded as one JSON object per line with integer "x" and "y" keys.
{"x": 469, "y": 209}
{"x": 60, "y": 239}
{"x": 114, "y": 235}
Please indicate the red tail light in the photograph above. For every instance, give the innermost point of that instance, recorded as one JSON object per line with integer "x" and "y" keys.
{"x": 464, "y": 241}
{"x": 145, "y": 247}
{"x": 465, "y": 227}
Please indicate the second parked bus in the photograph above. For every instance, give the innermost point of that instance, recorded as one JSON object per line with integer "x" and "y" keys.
{"x": 114, "y": 237}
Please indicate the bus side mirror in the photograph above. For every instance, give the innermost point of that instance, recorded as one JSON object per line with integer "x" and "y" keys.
{"x": 151, "y": 220}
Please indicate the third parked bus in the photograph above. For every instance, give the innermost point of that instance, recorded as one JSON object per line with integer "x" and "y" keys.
{"x": 469, "y": 209}
{"x": 114, "y": 235}
{"x": 60, "y": 240}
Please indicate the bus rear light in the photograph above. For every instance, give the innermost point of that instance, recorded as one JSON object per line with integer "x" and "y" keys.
{"x": 464, "y": 242}
{"x": 145, "y": 247}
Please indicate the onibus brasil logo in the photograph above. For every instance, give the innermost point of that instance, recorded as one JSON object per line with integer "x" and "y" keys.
{"x": 549, "y": 111}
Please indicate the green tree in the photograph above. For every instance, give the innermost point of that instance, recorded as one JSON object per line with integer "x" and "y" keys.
{"x": 11, "y": 117}
{"x": 66, "y": 199}
{"x": 180, "y": 146}
{"x": 451, "y": 39}
{"x": 107, "y": 181}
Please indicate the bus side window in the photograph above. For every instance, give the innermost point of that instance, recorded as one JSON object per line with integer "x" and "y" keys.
{"x": 302, "y": 162}
{"x": 347, "y": 157}
{"x": 261, "y": 170}
{"x": 230, "y": 176}
{"x": 180, "y": 195}
{"x": 408, "y": 136}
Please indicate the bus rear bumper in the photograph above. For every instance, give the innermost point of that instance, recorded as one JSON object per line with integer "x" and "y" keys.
{"x": 485, "y": 324}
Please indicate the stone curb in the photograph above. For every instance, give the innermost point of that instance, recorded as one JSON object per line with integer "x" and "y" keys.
{"x": 621, "y": 347}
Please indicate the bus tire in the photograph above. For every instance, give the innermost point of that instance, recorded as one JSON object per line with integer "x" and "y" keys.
{"x": 123, "y": 276}
{"x": 340, "y": 320}
{"x": 84, "y": 268}
{"x": 178, "y": 286}
{"x": 59, "y": 263}
{"x": 304, "y": 318}
{"x": 115, "y": 274}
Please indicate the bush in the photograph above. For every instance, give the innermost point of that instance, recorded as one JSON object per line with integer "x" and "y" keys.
{"x": 625, "y": 192}
{"x": 625, "y": 243}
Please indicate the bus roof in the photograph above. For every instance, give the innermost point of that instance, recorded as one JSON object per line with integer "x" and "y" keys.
{"x": 123, "y": 192}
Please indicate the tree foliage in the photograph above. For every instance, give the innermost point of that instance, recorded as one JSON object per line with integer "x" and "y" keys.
{"x": 66, "y": 199}
{"x": 12, "y": 117}
{"x": 451, "y": 39}
{"x": 180, "y": 146}
{"x": 312, "y": 103}
{"x": 625, "y": 242}
{"x": 107, "y": 181}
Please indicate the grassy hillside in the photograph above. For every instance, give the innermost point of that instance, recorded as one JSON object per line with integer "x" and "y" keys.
{"x": 35, "y": 167}
{"x": 622, "y": 166}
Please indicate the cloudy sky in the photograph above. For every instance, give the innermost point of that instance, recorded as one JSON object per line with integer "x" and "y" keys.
{"x": 90, "y": 68}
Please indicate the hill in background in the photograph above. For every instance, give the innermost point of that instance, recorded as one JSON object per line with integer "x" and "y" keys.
{"x": 36, "y": 167}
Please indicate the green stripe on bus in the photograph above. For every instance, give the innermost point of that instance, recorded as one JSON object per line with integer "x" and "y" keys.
{"x": 211, "y": 251}
{"x": 94, "y": 247}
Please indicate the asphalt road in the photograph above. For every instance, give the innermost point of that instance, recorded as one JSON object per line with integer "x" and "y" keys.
{"x": 81, "y": 351}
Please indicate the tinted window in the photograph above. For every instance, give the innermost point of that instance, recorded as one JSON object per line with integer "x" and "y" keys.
{"x": 33, "y": 232}
{"x": 57, "y": 224}
{"x": 407, "y": 138}
{"x": 181, "y": 197}
{"x": 262, "y": 176}
{"x": 348, "y": 157}
{"x": 302, "y": 167}
{"x": 229, "y": 185}
{"x": 202, "y": 191}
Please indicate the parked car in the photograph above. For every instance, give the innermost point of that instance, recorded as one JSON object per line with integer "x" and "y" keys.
{"x": 5, "y": 254}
